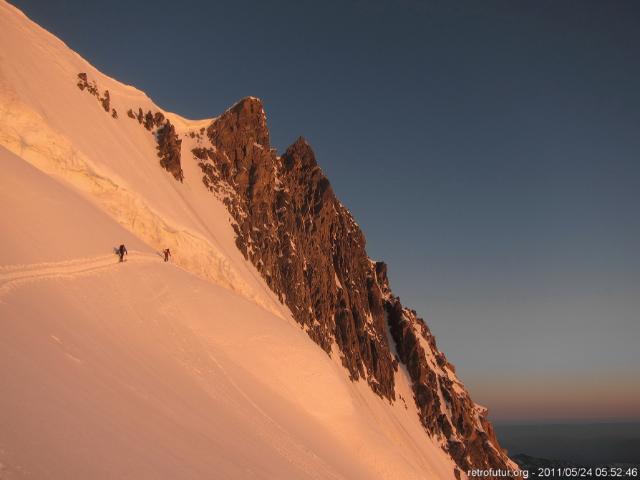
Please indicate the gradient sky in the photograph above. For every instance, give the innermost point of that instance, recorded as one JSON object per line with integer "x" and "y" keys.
{"x": 489, "y": 150}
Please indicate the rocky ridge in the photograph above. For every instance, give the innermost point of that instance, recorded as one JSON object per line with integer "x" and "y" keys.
{"x": 311, "y": 253}
{"x": 169, "y": 143}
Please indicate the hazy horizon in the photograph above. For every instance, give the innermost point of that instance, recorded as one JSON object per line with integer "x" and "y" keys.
{"x": 581, "y": 443}
{"x": 488, "y": 151}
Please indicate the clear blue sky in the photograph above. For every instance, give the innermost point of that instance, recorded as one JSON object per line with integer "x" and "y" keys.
{"x": 489, "y": 150}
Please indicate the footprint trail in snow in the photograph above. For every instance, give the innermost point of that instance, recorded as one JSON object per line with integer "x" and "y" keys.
{"x": 15, "y": 275}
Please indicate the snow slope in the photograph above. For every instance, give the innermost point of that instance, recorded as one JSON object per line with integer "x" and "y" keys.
{"x": 140, "y": 370}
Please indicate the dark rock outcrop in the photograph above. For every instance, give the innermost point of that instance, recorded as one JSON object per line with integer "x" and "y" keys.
{"x": 105, "y": 100}
{"x": 149, "y": 121}
{"x": 169, "y": 144}
{"x": 92, "y": 88}
{"x": 169, "y": 150}
{"x": 311, "y": 253}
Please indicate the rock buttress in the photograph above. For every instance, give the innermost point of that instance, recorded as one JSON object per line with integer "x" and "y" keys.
{"x": 169, "y": 148}
{"x": 311, "y": 253}
{"x": 306, "y": 245}
{"x": 444, "y": 405}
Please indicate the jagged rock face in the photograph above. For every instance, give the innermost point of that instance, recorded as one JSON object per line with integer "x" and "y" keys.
{"x": 302, "y": 240}
{"x": 311, "y": 253}
{"x": 444, "y": 405}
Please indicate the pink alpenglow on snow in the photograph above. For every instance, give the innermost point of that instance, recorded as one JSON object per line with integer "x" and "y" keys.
{"x": 217, "y": 364}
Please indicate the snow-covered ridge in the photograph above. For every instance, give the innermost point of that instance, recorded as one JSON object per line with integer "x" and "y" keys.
{"x": 49, "y": 122}
{"x": 28, "y": 135}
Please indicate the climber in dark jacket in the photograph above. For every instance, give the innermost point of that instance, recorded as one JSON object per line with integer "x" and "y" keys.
{"x": 122, "y": 251}
{"x": 167, "y": 254}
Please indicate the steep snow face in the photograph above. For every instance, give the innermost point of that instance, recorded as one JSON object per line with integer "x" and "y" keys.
{"x": 143, "y": 370}
{"x": 48, "y": 121}
{"x": 192, "y": 369}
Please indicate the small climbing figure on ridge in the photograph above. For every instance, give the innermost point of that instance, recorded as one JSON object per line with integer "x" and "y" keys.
{"x": 167, "y": 254}
{"x": 122, "y": 251}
